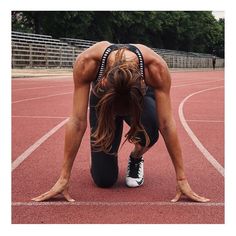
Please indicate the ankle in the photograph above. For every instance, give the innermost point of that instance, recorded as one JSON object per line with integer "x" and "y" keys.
{"x": 134, "y": 156}
{"x": 136, "y": 159}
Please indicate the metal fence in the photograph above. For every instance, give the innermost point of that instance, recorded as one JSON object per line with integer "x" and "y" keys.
{"x": 180, "y": 61}
{"x": 27, "y": 54}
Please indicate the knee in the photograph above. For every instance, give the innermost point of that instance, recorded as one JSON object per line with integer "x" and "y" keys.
{"x": 103, "y": 179}
{"x": 104, "y": 169}
{"x": 153, "y": 139}
{"x": 104, "y": 182}
{"x": 150, "y": 139}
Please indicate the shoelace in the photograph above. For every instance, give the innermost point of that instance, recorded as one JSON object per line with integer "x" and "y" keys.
{"x": 134, "y": 168}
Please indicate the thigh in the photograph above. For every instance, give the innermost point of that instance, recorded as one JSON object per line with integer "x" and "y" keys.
{"x": 148, "y": 120}
{"x": 104, "y": 166}
{"x": 93, "y": 125}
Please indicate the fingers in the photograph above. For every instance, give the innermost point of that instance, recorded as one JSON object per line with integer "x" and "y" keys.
{"x": 67, "y": 196}
{"x": 50, "y": 194}
{"x": 183, "y": 188}
{"x": 193, "y": 196}
{"x": 198, "y": 198}
{"x": 177, "y": 197}
{"x": 44, "y": 196}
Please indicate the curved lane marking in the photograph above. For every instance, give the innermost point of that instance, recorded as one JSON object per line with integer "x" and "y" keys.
{"x": 33, "y": 147}
{"x": 45, "y": 87}
{"x": 59, "y": 94}
{"x": 198, "y": 83}
{"x": 194, "y": 138}
{"x": 37, "y": 98}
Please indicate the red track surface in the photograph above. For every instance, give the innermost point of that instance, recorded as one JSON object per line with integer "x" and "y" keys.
{"x": 39, "y": 104}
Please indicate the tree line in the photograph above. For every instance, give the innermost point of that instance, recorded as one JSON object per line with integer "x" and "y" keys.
{"x": 195, "y": 31}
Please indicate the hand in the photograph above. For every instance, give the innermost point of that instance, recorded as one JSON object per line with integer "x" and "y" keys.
{"x": 183, "y": 188}
{"x": 61, "y": 187}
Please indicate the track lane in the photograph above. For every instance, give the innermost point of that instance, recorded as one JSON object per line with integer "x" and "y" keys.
{"x": 35, "y": 176}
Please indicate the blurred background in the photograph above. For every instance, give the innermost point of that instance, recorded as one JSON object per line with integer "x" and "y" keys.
{"x": 179, "y": 33}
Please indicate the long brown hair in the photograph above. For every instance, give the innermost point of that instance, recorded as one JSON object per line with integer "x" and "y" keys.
{"x": 121, "y": 94}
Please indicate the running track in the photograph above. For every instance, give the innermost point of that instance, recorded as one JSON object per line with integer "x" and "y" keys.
{"x": 40, "y": 107}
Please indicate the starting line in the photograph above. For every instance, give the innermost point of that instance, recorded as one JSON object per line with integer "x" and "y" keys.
{"x": 59, "y": 203}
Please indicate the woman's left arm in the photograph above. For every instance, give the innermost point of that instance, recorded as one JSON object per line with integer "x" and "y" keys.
{"x": 161, "y": 81}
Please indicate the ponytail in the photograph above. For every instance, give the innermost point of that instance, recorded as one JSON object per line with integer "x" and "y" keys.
{"x": 121, "y": 95}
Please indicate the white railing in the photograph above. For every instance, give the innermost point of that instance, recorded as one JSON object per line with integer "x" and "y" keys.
{"x": 29, "y": 51}
{"x": 42, "y": 55}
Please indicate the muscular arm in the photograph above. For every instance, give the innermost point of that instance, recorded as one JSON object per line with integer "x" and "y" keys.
{"x": 76, "y": 126}
{"x": 162, "y": 82}
{"x": 84, "y": 71}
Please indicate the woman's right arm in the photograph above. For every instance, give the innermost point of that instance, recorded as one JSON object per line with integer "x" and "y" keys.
{"x": 75, "y": 128}
{"x": 83, "y": 72}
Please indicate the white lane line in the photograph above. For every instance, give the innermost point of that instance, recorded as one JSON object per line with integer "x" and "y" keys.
{"x": 41, "y": 117}
{"x": 37, "y": 98}
{"x": 199, "y": 145}
{"x": 207, "y": 204}
{"x": 205, "y": 82}
{"x": 37, "y": 78}
{"x": 207, "y": 121}
{"x": 33, "y": 147}
{"x": 45, "y": 87}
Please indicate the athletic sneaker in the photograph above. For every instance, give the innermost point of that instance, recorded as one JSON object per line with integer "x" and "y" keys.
{"x": 135, "y": 173}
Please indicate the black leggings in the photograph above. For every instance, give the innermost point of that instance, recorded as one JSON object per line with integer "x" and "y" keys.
{"x": 104, "y": 167}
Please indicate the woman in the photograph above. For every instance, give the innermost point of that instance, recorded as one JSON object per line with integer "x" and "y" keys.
{"x": 130, "y": 83}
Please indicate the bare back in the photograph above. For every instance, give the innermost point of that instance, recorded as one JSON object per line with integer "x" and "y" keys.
{"x": 88, "y": 62}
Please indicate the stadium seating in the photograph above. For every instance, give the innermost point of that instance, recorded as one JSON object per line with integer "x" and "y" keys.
{"x": 36, "y": 50}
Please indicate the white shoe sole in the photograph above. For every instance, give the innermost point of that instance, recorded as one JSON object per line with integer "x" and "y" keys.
{"x": 133, "y": 183}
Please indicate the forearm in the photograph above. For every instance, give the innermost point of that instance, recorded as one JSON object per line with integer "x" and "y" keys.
{"x": 73, "y": 136}
{"x": 170, "y": 136}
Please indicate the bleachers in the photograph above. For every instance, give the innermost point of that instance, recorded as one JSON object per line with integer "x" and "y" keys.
{"x": 18, "y": 34}
{"x": 33, "y": 38}
{"x": 180, "y": 53}
{"x": 81, "y": 43}
{"x": 36, "y": 50}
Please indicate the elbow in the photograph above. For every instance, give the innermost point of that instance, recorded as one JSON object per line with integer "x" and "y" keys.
{"x": 80, "y": 125}
{"x": 166, "y": 126}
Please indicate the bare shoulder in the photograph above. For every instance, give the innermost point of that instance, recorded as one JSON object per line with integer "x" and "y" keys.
{"x": 95, "y": 51}
{"x": 86, "y": 64}
{"x": 156, "y": 69}
{"x": 149, "y": 54}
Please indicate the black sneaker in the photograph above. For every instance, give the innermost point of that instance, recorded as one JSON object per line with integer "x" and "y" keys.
{"x": 135, "y": 172}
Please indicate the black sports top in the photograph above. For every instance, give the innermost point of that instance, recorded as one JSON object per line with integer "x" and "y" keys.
{"x": 115, "y": 47}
